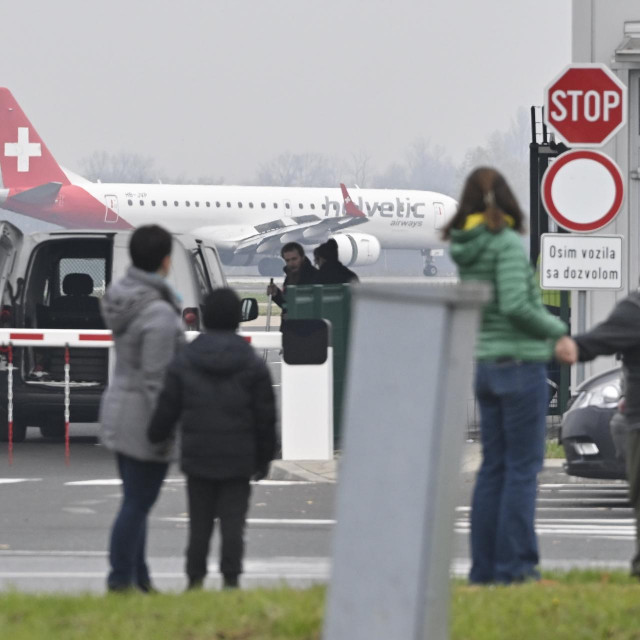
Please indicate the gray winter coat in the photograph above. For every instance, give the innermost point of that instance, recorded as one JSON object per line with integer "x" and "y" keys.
{"x": 144, "y": 316}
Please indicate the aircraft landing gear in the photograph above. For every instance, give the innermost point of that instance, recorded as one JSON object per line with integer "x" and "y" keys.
{"x": 429, "y": 269}
{"x": 270, "y": 267}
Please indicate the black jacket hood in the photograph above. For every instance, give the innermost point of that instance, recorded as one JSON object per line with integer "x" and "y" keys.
{"x": 219, "y": 352}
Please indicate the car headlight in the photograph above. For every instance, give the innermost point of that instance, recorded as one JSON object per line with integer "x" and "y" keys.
{"x": 605, "y": 395}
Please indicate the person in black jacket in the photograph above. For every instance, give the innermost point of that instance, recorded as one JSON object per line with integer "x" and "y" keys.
{"x": 619, "y": 333}
{"x": 330, "y": 269}
{"x": 221, "y": 393}
{"x": 297, "y": 269}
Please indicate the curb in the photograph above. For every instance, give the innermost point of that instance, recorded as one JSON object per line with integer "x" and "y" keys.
{"x": 295, "y": 471}
{"x": 327, "y": 471}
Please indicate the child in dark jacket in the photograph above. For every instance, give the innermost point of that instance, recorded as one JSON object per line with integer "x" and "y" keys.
{"x": 221, "y": 393}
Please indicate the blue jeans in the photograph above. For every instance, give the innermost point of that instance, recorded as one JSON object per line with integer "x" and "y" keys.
{"x": 513, "y": 400}
{"x": 141, "y": 483}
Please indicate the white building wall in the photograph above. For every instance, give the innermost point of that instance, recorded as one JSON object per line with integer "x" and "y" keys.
{"x": 597, "y": 30}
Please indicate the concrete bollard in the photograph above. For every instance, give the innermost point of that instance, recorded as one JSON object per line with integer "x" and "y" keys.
{"x": 410, "y": 363}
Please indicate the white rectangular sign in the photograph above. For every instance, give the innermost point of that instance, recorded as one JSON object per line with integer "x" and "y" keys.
{"x": 581, "y": 262}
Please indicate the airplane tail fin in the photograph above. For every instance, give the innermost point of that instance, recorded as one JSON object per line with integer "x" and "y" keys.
{"x": 25, "y": 160}
{"x": 350, "y": 206}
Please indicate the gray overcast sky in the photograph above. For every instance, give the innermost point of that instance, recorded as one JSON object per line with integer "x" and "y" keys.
{"x": 212, "y": 87}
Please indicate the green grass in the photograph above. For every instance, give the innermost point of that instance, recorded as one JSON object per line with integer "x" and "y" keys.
{"x": 578, "y": 605}
{"x": 554, "y": 449}
{"x": 281, "y": 614}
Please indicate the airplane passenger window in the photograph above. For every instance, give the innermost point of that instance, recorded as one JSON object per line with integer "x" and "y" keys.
{"x": 187, "y": 203}
{"x": 208, "y": 203}
{"x": 175, "y": 203}
{"x": 217, "y": 204}
{"x": 324, "y": 206}
{"x": 239, "y": 205}
{"x": 287, "y": 205}
{"x": 313, "y": 206}
{"x": 129, "y": 202}
{"x": 251, "y": 205}
{"x": 300, "y": 206}
{"x": 197, "y": 204}
{"x": 263, "y": 205}
{"x": 153, "y": 203}
{"x": 228, "y": 205}
{"x": 142, "y": 203}
{"x": 164, "y": 203}
{"x": 275, "y": 205}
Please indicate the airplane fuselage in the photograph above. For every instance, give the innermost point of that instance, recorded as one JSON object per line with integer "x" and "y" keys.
{"x": 400, "y": 219}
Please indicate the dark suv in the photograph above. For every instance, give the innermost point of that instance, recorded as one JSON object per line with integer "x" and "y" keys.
{"x": 55, "y": 280}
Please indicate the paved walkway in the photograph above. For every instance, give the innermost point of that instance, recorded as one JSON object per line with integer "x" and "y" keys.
{"x": 327, "y": 470}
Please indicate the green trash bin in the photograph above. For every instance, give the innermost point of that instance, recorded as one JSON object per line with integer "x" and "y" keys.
{"x": 333, "y": 303}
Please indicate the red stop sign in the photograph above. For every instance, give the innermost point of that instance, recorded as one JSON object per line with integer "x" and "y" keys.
{"x": 586, "y": 105}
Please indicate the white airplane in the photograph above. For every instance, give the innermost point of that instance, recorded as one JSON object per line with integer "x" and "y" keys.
{"x": 248, "y": 224}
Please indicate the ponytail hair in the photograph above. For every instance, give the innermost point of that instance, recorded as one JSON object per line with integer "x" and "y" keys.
{"x": 486, "y": 191}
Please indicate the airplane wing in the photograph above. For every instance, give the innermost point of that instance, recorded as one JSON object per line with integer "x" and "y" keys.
{"x": 270, "y": 235}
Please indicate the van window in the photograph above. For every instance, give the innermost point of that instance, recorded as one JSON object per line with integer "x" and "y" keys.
{"x": 65, "y": 279}
{"x": 204, "y": 285}
{"x": 181, "y": 276}
{"x": 215, "y": 269}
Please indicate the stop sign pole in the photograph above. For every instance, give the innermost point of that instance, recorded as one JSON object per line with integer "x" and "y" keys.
{"x": 586, "y": 105}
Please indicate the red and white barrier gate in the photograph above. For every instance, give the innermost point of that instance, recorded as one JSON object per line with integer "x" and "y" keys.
{"x": 101, "y": 339}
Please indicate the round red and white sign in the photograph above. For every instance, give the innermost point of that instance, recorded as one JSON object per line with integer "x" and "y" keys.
{"x": 583, "y": 190}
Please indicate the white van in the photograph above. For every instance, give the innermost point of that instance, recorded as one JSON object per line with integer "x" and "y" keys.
{"x": 54, "y": 280}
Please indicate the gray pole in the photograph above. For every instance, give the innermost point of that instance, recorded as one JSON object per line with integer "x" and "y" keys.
{"x": 410, "y": 363}
{"x": 582, "y": 327}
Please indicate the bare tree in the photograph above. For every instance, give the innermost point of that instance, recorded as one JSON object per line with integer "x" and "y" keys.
{"x": 430, "y": 168}
{"x": 425, "y": 167}
{"x": 393, "y": 177}
{"x": 119, "y": 167}
{"x": 299, "y": 170}
{"x": 360, "y": 168}
{"x": 507, "y": 151}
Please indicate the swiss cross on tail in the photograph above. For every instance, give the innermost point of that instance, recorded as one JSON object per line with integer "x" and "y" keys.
{"x": 24, "y": 159}
{"x": 22, "y": 149}
{"x": 349, "y": 205}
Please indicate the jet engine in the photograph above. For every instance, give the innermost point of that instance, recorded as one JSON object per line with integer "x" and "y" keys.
{"x": 357, "y": 249}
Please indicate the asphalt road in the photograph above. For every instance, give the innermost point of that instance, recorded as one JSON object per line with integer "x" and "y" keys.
{"x": 55, "y": 520}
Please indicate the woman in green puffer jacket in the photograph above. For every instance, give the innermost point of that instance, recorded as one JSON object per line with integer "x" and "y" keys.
{"x": 515, "y": 342}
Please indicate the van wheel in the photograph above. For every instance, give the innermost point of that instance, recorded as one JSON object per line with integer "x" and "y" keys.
{"x": 52, "y": 429}
{"x": 19, "y": 429}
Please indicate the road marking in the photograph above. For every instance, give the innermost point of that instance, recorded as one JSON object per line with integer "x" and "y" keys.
{"x": 267, "y": 521}
{"x": 17, "y": 480}
{"x": 49, "y": 553}
{"x": 597, "y": 501}
{"x": 575, "y": 485}
{"x": 111, "y": 482}
{"x": 281, "y": 483}
{"x": 564, "y": 509}
{"x": 623, "y": 491}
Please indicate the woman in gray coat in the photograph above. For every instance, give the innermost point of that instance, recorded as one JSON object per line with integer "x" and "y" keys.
{"x": 144, "y": 316}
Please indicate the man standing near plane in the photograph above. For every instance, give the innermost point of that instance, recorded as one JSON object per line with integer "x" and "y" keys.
{"x": 298, "y": 270}
{"x": 330, "y": 269}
